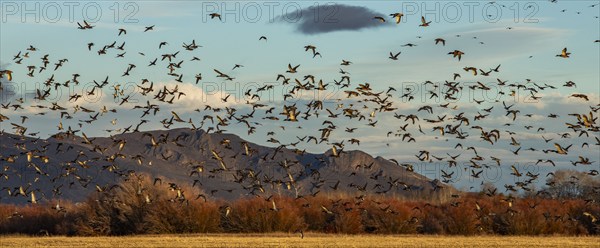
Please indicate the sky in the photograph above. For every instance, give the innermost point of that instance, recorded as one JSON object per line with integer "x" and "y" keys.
{"x": 522, "y": 37}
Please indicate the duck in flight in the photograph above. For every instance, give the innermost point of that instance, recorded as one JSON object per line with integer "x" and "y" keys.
{"x": 424, "y": 23}
{"x": 440, "y": 40}
{"x": 292, "y": 69}
{"x": 85, "y": 25}
{"x": 397, "y": 16}
{"x": 394, "y": 56}
{"x": 379, "y": 18}
{"x": 215, "y": 15}
{"x": 564, "y": 54}
{"x": 457, "y": 53}
{"x": 8, "y": 74}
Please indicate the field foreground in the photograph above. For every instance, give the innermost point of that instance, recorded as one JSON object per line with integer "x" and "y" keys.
{"x": 285, "y": 240}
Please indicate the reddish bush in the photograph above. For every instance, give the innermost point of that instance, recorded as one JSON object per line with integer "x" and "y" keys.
{"x": 138, "y": 206}
{"x": 259, "y": 215}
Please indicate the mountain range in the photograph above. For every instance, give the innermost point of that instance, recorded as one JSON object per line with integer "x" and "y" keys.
{"x": 71, "y": 166}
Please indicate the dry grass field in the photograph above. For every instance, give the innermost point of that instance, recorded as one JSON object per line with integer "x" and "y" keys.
{"x": 310, "y": 240}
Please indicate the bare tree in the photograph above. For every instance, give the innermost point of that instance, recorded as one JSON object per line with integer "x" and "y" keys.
{"x": 573, "y": 184}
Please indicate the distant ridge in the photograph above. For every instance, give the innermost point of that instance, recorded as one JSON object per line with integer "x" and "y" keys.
{"x": 77, "y": 166}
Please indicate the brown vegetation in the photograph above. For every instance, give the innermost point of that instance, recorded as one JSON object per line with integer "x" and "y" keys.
{"x": 138, "y": 206}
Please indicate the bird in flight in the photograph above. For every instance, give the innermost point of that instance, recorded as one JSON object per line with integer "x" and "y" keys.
{"x": 292, "y": 69}
{"x": 564, "y": 53}
{"x": 424, "y": 23}
{"x": 457, "y": 53}
{"x": 8, "y": 74}
{"x": 440, "y": 40}
{"x": 379, "y": 18}
{"x": 397, "y": 17}
{"x": 85, "y": 25}
{"x": 394, "y": 56}
{"x": 215, "y": 15}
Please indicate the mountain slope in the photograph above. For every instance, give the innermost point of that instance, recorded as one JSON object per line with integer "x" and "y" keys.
{"x": 68, "y": 166}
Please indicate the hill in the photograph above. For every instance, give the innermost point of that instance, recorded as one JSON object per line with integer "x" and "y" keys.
{"x": 224, "y": 166}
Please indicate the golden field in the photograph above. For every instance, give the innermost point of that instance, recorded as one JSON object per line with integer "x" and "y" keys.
{"x": 292, "y": 240}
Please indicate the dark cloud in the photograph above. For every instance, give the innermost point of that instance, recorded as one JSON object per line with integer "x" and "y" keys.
{"x": 334, "y": 17}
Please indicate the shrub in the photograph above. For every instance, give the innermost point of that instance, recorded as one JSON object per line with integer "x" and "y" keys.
{"x": 138, "y": 206}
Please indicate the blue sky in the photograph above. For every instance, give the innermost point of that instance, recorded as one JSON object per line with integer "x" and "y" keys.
{"x": 229, "y": 42}
{"x": 526, "y": 51}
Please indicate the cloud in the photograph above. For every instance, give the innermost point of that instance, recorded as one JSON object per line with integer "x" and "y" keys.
{"x": 330, "y": 18}
{"x": 195, "y": 97}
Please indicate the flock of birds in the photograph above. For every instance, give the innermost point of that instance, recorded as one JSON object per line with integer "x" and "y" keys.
{"x": 362, "y": 104}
